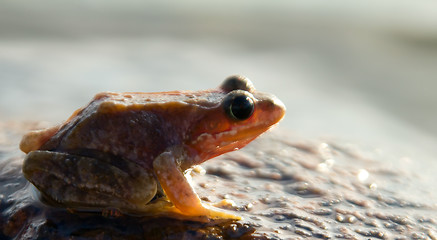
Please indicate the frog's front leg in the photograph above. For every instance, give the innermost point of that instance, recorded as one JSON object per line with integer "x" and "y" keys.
{"x": 167, "y": 167}
{"x": 83, "y": 183}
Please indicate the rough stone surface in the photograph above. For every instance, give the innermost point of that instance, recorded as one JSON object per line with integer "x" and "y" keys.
{"x": 284, "y": 188}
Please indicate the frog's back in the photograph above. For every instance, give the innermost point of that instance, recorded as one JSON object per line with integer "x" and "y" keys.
{"x": 137, "y": 126}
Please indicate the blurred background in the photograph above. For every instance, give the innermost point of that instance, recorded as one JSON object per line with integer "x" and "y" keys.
{"x": 365, "y": 72}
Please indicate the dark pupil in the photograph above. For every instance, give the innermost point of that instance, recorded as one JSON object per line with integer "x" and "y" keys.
{"x": 242, "y": 107}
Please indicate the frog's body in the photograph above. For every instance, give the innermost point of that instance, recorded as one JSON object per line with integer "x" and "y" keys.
{"x": 121, "y": 148}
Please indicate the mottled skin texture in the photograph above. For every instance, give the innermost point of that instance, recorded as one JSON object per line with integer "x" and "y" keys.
{"x": 120, "y": 149}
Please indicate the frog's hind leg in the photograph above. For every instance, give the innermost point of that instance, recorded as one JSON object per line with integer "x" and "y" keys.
{"x": 86, "y": 183}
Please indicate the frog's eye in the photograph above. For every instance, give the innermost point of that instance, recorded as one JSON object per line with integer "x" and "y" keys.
{"x": 239, "y": 105}
{"x": 237, "y": 82}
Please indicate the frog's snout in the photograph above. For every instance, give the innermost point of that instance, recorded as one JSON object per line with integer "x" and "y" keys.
{"x": 279, "y": 106}
{"x": 271, "y": 105}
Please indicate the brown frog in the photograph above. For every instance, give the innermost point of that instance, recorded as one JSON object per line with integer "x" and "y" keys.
{"x": 129, "y": 151}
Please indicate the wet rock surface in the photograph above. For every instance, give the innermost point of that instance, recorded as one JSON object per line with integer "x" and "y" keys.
{"x": 283, "y": 187}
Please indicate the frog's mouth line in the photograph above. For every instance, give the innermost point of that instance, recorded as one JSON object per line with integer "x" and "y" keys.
{"x": 235, "y": 139}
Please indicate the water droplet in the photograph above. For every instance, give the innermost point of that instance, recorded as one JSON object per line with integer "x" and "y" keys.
{"x": 373, "y": 186}
{"x": 362, "y": 175}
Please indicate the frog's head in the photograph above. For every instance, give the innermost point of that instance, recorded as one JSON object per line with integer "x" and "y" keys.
{"x": 241, "y": 115}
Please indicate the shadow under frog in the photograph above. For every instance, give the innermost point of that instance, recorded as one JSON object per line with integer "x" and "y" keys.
{"x": 129, "y": 151}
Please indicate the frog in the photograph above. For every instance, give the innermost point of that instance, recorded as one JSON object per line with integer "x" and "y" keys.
{"x": 131, "y": 151}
